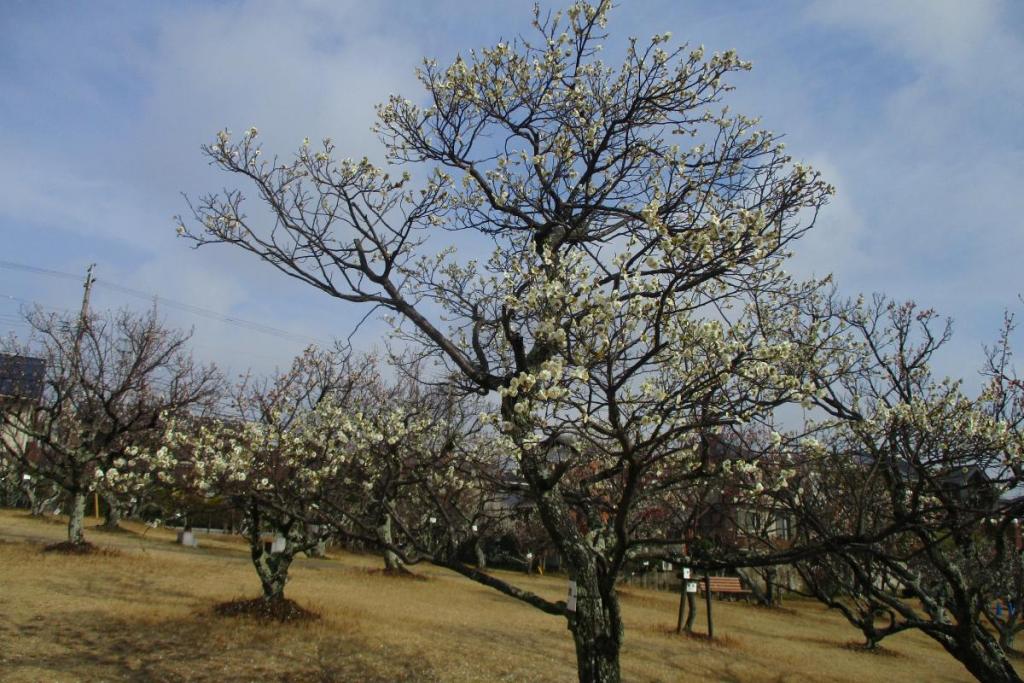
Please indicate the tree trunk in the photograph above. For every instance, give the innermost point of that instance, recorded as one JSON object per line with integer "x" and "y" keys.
{"x": 687, "y": 602}
{"x": 272, "y": 569}
{"x": 597, "y": 631}
{"x": 871, "y": 635}
{"x": 990, "y": 665}
{"x": 751, "y": 578}
{"x": 319, "y": 548}
{"x": 76, "y": 518}
{"x": 975, "y": 648}
{"x": 274, "y": 580}
{"x": 33, "y": 499}
{"x": 392, "y": 563}
{"x": 596, "y": 625}
{"x": 112, "y": 516}
{"x": 691, "y": 611}
{"x": 481, "y": 557}
{"x": 44, "y": 501}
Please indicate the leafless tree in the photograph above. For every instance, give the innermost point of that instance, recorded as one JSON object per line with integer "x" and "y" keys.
{"x": 110, "y": 380}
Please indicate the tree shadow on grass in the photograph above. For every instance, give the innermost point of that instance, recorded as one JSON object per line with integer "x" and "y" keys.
{"x": 722, "y": 641}
{"x": 878, "y": 650}
{"x": 95, "y": 646}
{"x": 400, "y": 573}
{"x": 84, "y": 548}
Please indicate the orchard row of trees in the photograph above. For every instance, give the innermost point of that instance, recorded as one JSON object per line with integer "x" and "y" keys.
{"x": 901, "y": 497}
{"x": 327, "y": 448}
{"x": 620, "y": 311}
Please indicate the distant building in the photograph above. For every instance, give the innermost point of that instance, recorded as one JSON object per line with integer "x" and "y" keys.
{"x": 21, "y": 378}
{"x": 21, "y": 387}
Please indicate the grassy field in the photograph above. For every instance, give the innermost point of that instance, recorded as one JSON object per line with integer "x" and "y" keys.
{"x": 144, "y": 613}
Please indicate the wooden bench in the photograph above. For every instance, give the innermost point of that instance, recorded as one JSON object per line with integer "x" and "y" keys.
{"x": 725, "y": 584}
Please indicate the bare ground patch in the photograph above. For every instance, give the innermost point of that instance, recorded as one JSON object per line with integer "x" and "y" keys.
{"x": 69, "y": 548}
{"x": 281, "y": 610}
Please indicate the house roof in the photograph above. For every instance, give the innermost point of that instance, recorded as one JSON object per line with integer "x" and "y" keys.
{"x": 21, "y": 376}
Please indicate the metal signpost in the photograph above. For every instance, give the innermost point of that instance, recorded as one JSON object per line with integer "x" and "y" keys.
{"x": 707, "y": 600}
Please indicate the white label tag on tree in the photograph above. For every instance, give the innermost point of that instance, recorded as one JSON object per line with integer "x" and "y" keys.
{"x": 691, "y": 586}
{"x": 686, "y": 572}
{"x": 570, "y": 603}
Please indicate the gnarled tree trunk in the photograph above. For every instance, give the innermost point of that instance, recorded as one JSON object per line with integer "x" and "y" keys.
{"x": 979, "y": 652}
{"x": 596, "y": 629}
{"x": 272, "y": 569}
{"x": 596, "y": 625}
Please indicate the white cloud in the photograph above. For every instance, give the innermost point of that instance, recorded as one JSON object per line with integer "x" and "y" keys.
{"x": 911, "y": 116}
{"x": 963, "y": 42}
{"x": 939, "y": 31}
{"x": 293, "y": 69}
{"x": 836, "y": 243}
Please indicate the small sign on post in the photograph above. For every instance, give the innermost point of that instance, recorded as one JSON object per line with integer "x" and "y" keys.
{"x": 686, "y": 572}
{"x": 570, "y": 602}
{"x": 278, "y": 545}
{"x": 691, "y": 586}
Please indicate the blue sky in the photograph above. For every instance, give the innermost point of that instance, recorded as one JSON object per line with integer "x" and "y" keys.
{"x": 912, "y": 108}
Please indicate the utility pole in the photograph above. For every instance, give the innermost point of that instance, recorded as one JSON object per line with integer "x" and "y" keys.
{"x": 89, "y": 279}
{"x": 83, "y": 320}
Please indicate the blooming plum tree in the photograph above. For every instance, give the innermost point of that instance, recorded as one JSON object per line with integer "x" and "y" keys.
{"x": 910, "y": 489}
{"x": 272, "y": 456}
{"x": 634, "y": 297}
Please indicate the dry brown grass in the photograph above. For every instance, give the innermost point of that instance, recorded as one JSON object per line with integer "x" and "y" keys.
{"x": 146, "y": 614}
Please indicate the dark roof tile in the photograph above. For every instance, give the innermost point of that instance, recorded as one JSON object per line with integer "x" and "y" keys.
{"x": 21, "y": 376}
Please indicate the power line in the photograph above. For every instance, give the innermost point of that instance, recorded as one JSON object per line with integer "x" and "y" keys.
{"x": 39, "y": 271}
{"x": 15, "y": 319}
{"x": 170, "y": 303}
{"x": 209, "y": 314}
